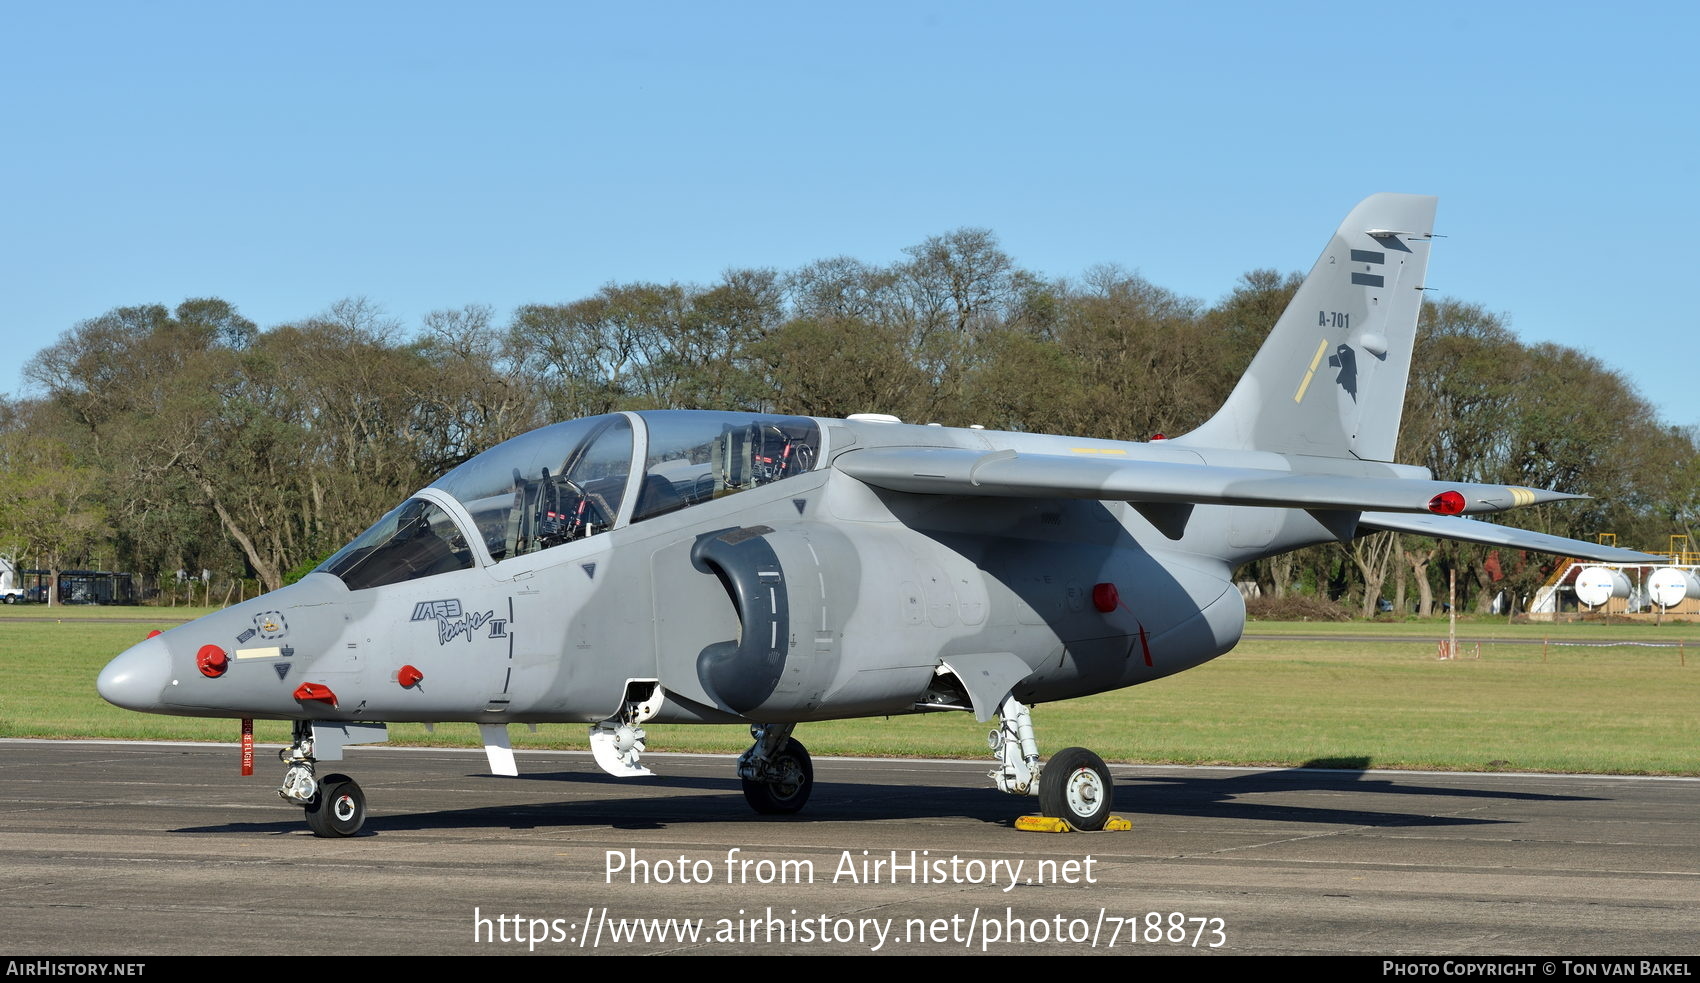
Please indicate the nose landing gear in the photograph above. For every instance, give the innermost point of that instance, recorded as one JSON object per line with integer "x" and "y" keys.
{"x": 334, "y": 805}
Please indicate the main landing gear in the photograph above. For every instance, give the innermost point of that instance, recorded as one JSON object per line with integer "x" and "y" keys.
{"x": 777, "y": 773}
{"x": 1073, "y": 786}
{"x": 334, "y": 804}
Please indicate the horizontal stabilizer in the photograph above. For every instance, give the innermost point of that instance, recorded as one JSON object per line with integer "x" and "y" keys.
{"x": 1472, "y": 531}
{"x": 960, "y": 471}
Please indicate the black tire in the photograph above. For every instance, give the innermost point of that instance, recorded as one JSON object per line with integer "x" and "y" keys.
{"x": 1075, "y": 786}
{"x": 789, "y": 794}
{"x": 339, "y": 809}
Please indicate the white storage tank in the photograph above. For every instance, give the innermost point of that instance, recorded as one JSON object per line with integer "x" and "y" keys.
{"x": 1670, "y": 586}
{"x": 1597, "y": 585}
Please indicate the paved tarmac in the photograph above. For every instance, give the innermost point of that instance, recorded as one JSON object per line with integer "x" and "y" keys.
{"x": 143, "y": 849}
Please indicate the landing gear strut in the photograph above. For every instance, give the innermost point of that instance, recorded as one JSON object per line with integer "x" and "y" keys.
{"x": 1073, "y": 786}
{"x": 334, "y": 805}
{"x": 777, "y": 772}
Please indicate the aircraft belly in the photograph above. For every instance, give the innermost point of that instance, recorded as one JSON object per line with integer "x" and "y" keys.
{"x": 870, "y": 692}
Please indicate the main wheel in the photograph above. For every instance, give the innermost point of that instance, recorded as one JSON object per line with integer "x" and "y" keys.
{"x": 1076, "y": 786}
{"x": 791, "y": 792}
{"x": 339, "y": 809}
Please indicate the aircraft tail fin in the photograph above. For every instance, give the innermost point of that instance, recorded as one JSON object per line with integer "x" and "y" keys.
{"x": 1330, "y": 379}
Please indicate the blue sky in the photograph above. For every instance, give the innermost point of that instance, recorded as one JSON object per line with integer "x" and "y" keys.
{"x": 429, "y": 155}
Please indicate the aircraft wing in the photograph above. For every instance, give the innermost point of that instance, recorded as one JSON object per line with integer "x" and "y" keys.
{"x": 1472, "y": 531}
{"x": 961, "y": 471}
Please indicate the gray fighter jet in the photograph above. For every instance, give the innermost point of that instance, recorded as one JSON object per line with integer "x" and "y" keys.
{"x": 703, "y": 567}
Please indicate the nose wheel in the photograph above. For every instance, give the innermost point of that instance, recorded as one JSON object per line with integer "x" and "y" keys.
{"x": 339, "y": 809}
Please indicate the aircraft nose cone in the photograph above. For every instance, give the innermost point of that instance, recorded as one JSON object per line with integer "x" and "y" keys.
{"x": 137, "y": 677}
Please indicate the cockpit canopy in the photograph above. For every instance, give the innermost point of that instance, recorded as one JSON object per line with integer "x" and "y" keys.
{"x": 547, "y": 487}
{"x": 574, "y": 480}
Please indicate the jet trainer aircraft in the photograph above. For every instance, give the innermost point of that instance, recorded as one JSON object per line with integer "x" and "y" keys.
{"x": 702, "y": 567}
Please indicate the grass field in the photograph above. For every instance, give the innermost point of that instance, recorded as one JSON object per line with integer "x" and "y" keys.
{"x": 1486, "y": 628}
{"x": 1343, "y": 702}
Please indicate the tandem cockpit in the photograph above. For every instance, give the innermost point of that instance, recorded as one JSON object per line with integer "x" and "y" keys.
{"x": 574, "y": 480}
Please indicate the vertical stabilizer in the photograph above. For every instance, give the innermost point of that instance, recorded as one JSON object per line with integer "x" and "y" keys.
{"x": 1330, "y": 379}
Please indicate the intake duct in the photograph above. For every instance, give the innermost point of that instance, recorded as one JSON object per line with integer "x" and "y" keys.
{"x": 741, "y": 674}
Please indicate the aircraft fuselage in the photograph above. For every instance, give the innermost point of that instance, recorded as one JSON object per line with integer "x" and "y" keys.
{"x": 836, "y": 599}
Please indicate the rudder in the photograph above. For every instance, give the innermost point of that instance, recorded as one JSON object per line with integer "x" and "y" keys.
{"x": 1330, "y": 379}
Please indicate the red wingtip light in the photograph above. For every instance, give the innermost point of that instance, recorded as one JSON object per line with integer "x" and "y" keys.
{"x": 156, "y": 631}
{"x": 408, "y": 677}
{"x": 315, "y": 691}
{"x": 212, "y": 661}
{"x": 1447, "y": 503}
{"x": 1105, "y": 597}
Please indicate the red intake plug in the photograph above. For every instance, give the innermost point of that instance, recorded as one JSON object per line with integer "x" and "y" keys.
{"x": 1105, "y": 597}
{"x": 408, "y": 677}
{"x": 212, "y": 661}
